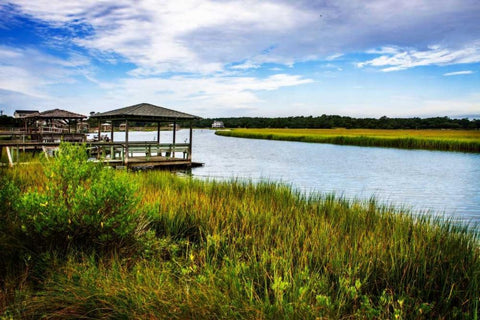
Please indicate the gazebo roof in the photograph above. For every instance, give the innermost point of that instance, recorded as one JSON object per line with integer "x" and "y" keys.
{"x": 55, "y": 114}
{"x": 144, "y": 111}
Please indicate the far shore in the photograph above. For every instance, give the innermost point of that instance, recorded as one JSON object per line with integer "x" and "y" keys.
{"x": 444, "y": 140}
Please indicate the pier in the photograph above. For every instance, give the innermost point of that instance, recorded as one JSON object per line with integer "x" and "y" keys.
{"x": 130, "y": 154}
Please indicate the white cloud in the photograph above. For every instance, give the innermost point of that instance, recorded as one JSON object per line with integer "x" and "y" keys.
{"x": 199, "y": 94}
{"x": 458, "y": 73}
{"x": 245, "y": 66}
{"x": 202, "y": 36}
{"x": 33, "y": 79}
{"x": 334, "y": 56}
{"x": 30, "y": 78}
{"x": 162, "y": 36}
{"x": 395, "y": 59}
{"x": 29, "y": 71}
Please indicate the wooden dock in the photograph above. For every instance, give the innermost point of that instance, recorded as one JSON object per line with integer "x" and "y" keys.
{"x": 133, "y": 155}
{"x": 35, "y": 137}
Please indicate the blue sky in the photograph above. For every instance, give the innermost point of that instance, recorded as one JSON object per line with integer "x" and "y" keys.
{"x": 243, "y": 58}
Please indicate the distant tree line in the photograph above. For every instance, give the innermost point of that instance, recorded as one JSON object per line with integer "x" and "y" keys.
{"x": 7, "y": 121}
{"x": 334, "y": 121}
{"x": 321, "y": 122}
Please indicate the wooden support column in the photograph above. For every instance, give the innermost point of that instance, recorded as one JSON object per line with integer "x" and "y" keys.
{"x": 99, "y": 135}
{"x": 174, "y": 137}
{"x": 111, "y": 131}
{"x": 9, "y": 156}
{"x": 159, "y": 153}
{"x": 126, "y": 141}
{"x": 190, "y": 142}
{"x": 112, "y": 148}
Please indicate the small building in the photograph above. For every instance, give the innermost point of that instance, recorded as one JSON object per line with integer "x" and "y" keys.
{"x": 218, "y": 124}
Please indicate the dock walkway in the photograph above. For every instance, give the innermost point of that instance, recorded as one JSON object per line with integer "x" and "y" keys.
{"x": 131, "y": 155}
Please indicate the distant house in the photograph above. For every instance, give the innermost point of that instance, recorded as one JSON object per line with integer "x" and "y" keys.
{"x": 218, "y": 124}
{"x": 106, "y": 126}
{"x": 23, "y": 113}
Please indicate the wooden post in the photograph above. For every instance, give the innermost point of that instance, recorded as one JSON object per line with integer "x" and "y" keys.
{"x": 9, "y": 155}
{"x": 99, "y": 135}
{"x": 111, "y": 131}
{"x": 158, "y": 138}
{"x": 190, "y": 143}
{"x": 174, "y": 137}
{"x": 126, "y": 141}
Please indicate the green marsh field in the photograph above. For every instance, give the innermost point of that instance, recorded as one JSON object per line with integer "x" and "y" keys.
{"x": 81, "y": 241}
{"x": 445, "y": 140}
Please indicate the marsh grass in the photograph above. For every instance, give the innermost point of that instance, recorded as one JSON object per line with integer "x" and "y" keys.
{"x": 242, "y": 250}
{"x": 445, "y": 140}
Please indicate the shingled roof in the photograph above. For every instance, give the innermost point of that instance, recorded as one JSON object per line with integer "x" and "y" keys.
{"x": 145, "y": 111}
{"x": 56, "y": 114}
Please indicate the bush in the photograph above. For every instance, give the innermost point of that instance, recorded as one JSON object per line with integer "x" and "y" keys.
{"x": 82, "y": 205}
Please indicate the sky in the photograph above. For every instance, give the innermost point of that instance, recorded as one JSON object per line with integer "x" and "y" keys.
{"x": 220, "y": 58}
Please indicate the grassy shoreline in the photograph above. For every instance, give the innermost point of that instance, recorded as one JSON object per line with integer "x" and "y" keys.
{"x": 78, "y": 240}
{"x": 444, "y": 140}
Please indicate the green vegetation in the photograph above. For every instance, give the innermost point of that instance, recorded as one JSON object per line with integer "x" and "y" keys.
{"x": 335, "y": 121}
{"x": 82, "y": 241}
{"x": 446, "y": 140}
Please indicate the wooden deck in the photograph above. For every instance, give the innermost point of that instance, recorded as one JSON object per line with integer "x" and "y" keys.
{"x": 117, "y": 154}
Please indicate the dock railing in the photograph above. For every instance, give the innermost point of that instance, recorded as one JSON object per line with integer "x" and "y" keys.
{"x": 118, "y": 150}
{"x": 109, "y": 152}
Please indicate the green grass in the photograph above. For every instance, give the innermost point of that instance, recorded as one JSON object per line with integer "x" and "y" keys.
{"x": 445, "y": 140}
{"x": 205, "y": 250}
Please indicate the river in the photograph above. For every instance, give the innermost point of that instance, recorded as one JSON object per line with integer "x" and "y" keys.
{"x": 435, "y": 181}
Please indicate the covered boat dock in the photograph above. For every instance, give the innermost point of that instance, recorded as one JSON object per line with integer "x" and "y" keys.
{"x": 144, "y": 153}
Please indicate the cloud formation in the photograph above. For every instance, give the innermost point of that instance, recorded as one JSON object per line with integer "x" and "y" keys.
{"x": 202, "y": 36}
{"x": 395, "y": 59}
{"x": 458, "y": 73}
{"x": 29, "y": 71}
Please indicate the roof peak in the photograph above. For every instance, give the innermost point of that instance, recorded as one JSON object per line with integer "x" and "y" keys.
{"x": 56, "y": 113}
{"x": 146, "y": 111}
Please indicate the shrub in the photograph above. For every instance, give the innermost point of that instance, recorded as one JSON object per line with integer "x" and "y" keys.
{"x": 82, "y": 205}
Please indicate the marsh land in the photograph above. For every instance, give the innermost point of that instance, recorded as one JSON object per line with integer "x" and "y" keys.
{"x": 80, "y": 240}
{"x": 445, "y": 140}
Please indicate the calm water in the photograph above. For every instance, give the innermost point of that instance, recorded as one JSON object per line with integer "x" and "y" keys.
{"x": 443, "y": 182}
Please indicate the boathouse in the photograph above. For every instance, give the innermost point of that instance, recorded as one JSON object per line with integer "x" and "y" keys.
{"x": 145, "y": 153}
